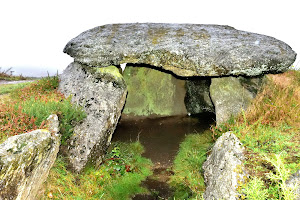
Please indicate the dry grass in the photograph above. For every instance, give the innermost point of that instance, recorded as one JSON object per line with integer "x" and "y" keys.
{"x": 270, "y": 126}
{"x": 278, "y": 103}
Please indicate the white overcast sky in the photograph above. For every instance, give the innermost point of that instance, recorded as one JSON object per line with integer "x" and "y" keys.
{"x": 33, "y": 33}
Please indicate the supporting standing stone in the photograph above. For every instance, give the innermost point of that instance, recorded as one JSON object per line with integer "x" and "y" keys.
{"x": 102, "y": 93}
{"x": 230, "y": 95}
{"x": 197, "y": 99}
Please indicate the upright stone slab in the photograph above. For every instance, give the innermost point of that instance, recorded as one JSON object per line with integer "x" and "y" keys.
{"x": 25, "y": 161}
{"x": 224, "y": 170}
{"x": 197, "y": 99}
{"x": 184, "y": 49}
{"x": 153, "y": 93}
{"x": 102, "y": 93}
{"x": 230, "y": 95}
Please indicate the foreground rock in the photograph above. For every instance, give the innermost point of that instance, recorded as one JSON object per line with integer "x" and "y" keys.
{"x": 224, "y": 169}
{"x": 294, "y": 183}
{"x": 230, "y": 95}
{"x": 102, "y": 93}
{"x": 25, "y": 161}
{"x": 184, "y": 49}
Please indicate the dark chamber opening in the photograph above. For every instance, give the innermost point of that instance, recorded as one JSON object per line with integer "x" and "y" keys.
{"x": 161, "y": 136}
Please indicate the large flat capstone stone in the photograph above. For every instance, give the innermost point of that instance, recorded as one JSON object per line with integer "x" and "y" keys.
{"x": 184, "y": 49}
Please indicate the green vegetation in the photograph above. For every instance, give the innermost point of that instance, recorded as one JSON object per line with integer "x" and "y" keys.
{"x": 188, "y": 178}
{"x": 7, "y": 88}
{"x": 269, "y": 128}
{"x": 119, "y": 177}
{"x": 29, "y": 107}
{"x": 255, "y": 190}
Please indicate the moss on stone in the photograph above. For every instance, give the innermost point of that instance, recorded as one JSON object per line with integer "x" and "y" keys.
{"x": 151, "y": 92}
{"x": 112, "y": 70}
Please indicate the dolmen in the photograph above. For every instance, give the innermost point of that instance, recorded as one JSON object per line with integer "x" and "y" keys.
{"x": 232, "y": 63}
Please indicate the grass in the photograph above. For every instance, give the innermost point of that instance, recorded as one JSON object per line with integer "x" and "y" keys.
{"x": 7, "y": 88}
{"x": 29, "y": 107}
{"x": 188, "y": 178}
{"x": 268, "y": 128}
{"x": 118, "y": 178}
{"x": 120, "y": 175}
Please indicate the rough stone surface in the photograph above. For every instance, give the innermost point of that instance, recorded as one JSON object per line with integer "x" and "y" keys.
{"x": 102, "y": 93}
{"x": 224, "y": 169}
{"x": 232, "y": 94}
{"x": 153, "y": 93}
{"x": 25, "y": 161}
{"x": 293, "y": 181}
{"x": 184, "y": 49}
{"x": 197, "y": 99}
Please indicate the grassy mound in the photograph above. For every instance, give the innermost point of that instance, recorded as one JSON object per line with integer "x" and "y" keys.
{"x": 269, "y": 130}
{"x": 119, "y": 177}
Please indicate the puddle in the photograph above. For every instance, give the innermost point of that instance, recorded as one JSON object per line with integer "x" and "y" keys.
{"x": 161, "y": 138}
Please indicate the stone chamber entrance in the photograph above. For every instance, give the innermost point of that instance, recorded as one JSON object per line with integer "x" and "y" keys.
{"x": 227, "y": 66}
{"x": 160, "y": 110}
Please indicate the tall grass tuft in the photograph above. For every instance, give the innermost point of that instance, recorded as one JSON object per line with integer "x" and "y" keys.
{"x": 188, "y": 178}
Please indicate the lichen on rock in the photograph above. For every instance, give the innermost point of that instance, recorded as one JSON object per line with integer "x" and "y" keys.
{"x": 153, "y": 93}
{"x": 184, "y": 49}
{"x": 230, "y": 95}
{"x": 224, "y": 170}
{"x": 25, "y": 161}
{"x": 101, "y": 93}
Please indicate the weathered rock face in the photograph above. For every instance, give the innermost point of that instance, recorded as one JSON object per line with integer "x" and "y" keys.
{"x": 293, "y": 181}
{"x": 232, "y": 94}
{"x": 102, "y": 93}
{"x": 152, "y": 93}
{"x": 197, "y": 99}
{"x": 25, "y": 161}
{"x": 224, "y": 169}
{"x": 184, "y": 49}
